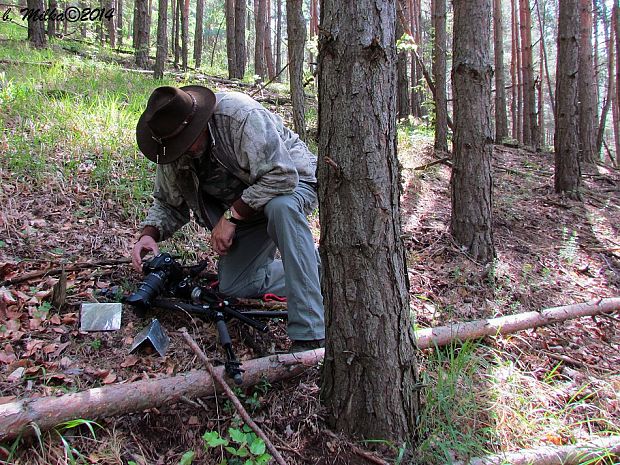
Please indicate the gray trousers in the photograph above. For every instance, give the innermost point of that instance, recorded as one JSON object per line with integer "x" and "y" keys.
{"x": 251, "y": 270}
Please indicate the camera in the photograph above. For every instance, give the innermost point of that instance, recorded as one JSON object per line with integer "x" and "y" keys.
{"x": 163, "y": 274}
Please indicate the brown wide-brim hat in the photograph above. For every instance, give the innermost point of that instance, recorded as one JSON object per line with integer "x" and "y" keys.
{"x": 173, "y": 120}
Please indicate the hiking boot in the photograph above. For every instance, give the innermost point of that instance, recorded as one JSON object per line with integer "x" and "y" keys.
{"x": 302, "y": 346}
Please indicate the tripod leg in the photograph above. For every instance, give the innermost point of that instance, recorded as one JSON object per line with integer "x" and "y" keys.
{"x": 232, "y": 364}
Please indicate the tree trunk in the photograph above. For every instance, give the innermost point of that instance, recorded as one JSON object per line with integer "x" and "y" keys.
{"x": 364, "y": 269}
{"x": 162, "y": 40}
{"x": 541, "y": 100}
{"x": 530, "y": 130}
{"x": 616, "y": 112}
{"x": 278, "y": 39}
{"x": 402, "y": 95}
{"x": 296, "y": 26}
{"x": 501, "y": 119}
{"x": 110, "y": 24}
{"x": 471, "y": 222}
{"x": 271, "y": 72}
{"x": 47, "y": 412}
{"x": 198, "y": 33}
{"x": 567, "y": 169}
{"x": 586, "y": 86}
{"x": 260, "y": 68}
{"x": 51, "y": 24}
{"x": 119, "y": 21}
{"x": 177, "y": 32}
{"x": 541, "y": 25}
{"x": 185, "y": 34}
{"x": 230, "y": 38}
{"x": 439, "y": 74}
{"x": 240, "y": 52}
{"x": 134, "y": 32}
{"x": 609, "y": 39}
{"x": 142, "y": 34}
{"x": 519, "y": 70}
{"x": 36, "y": 29}
{"x": 513, "y": 74}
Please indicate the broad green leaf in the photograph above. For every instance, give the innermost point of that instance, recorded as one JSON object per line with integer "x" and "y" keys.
{"x": 236, "y": 435}
{"x": 258, "y": 447}
{"x": 263, "y": 459}
{"x": 188, "y": 458}
{"x": 213, "y": 439}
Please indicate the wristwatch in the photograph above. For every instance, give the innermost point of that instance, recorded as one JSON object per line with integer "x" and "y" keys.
{"x": 228, "y": 216}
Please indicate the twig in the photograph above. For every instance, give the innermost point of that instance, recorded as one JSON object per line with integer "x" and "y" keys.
{"x": 264, "y": 86}
{"x": 233, "y": 398}
{"x": 444, "y": 160}
{"x": 55, "y": 271}
{"x": 565, "y": 359}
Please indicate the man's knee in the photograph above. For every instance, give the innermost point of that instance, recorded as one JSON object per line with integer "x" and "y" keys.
{"x": 283, "y": 206}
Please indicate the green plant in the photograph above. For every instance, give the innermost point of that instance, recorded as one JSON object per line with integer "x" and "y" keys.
{"x": 96, "y": 344}
{"x": 568, "y": 251}
{"x": 243, "y": 446}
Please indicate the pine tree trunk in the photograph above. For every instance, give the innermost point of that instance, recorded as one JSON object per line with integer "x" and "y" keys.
{"x": 501, "y": 119}
{"x": 111, "y": 24}
{"x": 296, "y": 26}
{"x": 119, "y": 21}
{"x": 530, "y": 129}
{"x": 402, "y": 95}
{"x": 240, "y": 52}
{"x": 471, "y": 222}
{"x": 519, "y": 70}
{"x": 134, "y": 32}
{"x": 162, "y": 40}
{"x": 278, "y": 39}
{"x": 36, "y": 29}
{"x": 230, "y": 38}
{"x": 260, "y": 68}
{"x": 364, "y": 269}
{"x": 51, "y": 24}
{"x": 616, "y": 112}
{"x": 586, "y": 87}
{"x": 142, "y": 34}
{"x": 541, "y": 25}
{"x": 514, "y": 84}
{"x": 198, "y": 33}
{"x": 177, "y": 33}
{"x": 268, "y": 48}
{"x": 541, "y": 102}
{"x": 567, "y": 169}
{"x": 438, "y": 8}
{"x": 610, "y": 85}
{"x": 185, "y": 34}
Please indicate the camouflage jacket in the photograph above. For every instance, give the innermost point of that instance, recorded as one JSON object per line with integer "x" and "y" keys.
{"x": 253, "y": 156}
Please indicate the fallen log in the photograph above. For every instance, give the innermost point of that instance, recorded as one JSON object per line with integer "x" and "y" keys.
{"x": 588, "y": 452}
{"x": 47, "y": 412}
{"x": 443, "y": 335}
{"x": 17, "y": 417}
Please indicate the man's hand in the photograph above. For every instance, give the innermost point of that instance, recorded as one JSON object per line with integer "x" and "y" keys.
{"x": 144, "y": 245}
{"x": 222, "y": 236}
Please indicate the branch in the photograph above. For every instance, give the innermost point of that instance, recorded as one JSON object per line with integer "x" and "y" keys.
{"x": 233, "y": 398}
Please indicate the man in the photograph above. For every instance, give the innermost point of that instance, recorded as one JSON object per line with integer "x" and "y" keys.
{"x": 247, "y": 178}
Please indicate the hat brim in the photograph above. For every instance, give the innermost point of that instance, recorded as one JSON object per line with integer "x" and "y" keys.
{"x": 178, "y": 145}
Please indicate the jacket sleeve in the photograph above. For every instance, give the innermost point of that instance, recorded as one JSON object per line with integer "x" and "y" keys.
{"x": 169, "y": 211}
{"x": 260, "y": 151}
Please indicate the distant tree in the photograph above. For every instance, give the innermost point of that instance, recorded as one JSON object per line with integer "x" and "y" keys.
{"x": 162, "y": 40}
{"x": 260, "y": 67}
{"x": 36, "y": 29}
{"x": 586, "y": 85}
{"x": 51, "y": 23}
{"x": 501, "y": 119}
{"x": 402, "y": 94}
{"x": 438, "y": 11}
{"x": 185, "y": 34}
{"x": 278, "y": 38}
{"x": 142, "y": 33}
{"x": 615, "y": 24}
{"x": 518, "y": 72}
{"x": 296, "y": 27}
{"x": 198, "y": 33}
{"x": 471, "y": 222}
{"x": 363, "y": 258}
{"x": 119, "y": 21}
{"x": 229, "y": 11}
{"x": 268, "y": 48}
{"x": 567, "y": 164}
{"x": 177, "y": 32}
{"x": 240, "y": 52}
{"x": 530, "y": 127}
{"x": 609, "y": 39}
{"x": 110, "y": 24}
{"x": 417, "y": 96}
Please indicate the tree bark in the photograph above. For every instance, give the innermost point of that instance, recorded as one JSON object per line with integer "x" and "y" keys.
{"x": 198, "y": 33}
{"x": 47, "y": 412}
{"x": 185, "y": 34}
{"x": 541, "y": 26}
{"x": 530, "y": 129}
{"x": 162, "y": 40}
{"x": 501, "y": 119}
{"x": 439, "y": 75}
{"x": 260, "y": 68}
{"x": 616, "y": 110}
{"x": 51, "y": 24}
{"x": 119, "y": 22}
{"x": 609, "y": 38}
{"x": 271, "y": 72}
{"x": 296, "y": 26}
{"x": 240, "y": 52}
{"x": 567, "y": 167}
{"x": 519, "y": 72}
{"x": 402, "y": 96}
{"x": 513, "y": 74}
{"x": 471, "y": 222}
{"x": 278, "y": 38}
{"x": 36, "y": 29}
{"x": 230, "y": 38}
{"x": 142, "y": 34}
{"x": 586, "y": 86}
{"x": 364, "y": 269}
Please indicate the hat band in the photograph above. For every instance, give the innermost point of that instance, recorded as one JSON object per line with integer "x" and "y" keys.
{"x": 160, "y": 140}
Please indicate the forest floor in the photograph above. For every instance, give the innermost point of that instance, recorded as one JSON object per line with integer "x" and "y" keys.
{"x": 554, "y": 385}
